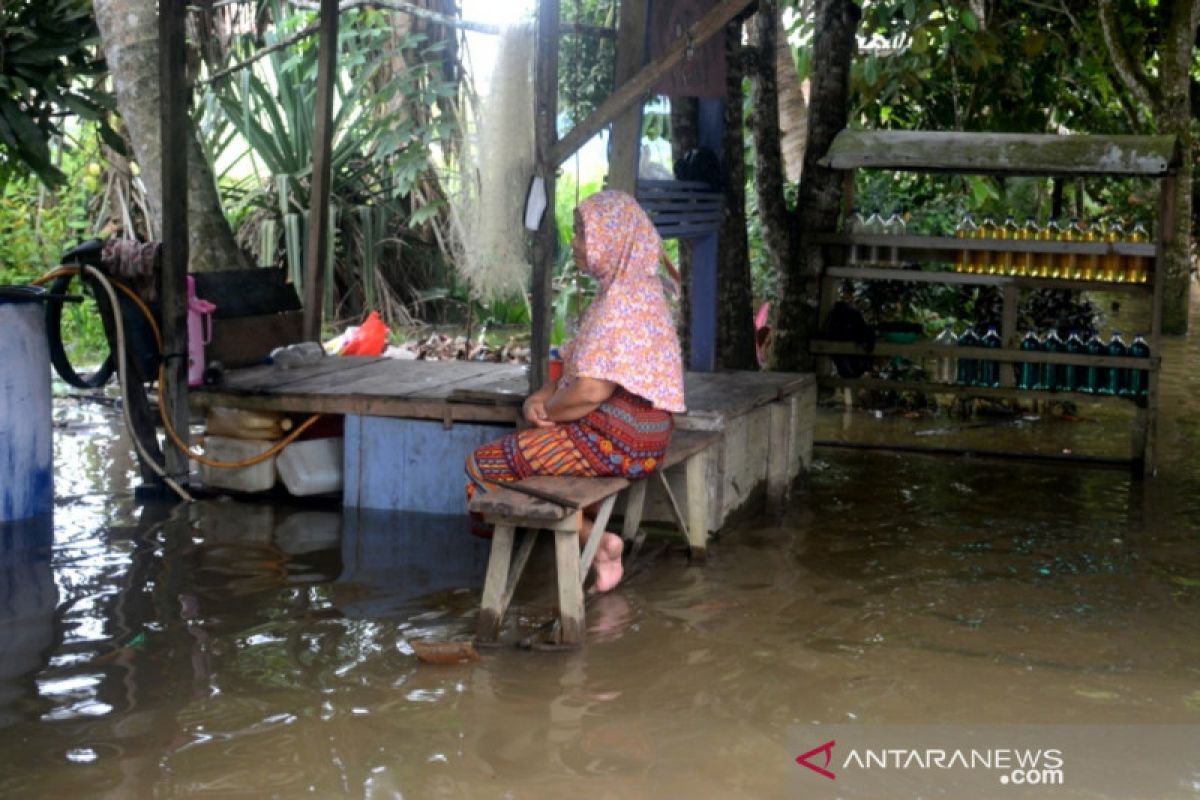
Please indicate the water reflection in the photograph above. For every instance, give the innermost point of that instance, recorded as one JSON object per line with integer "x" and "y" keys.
{"x": 251, "y": 649}
{"x": 28, "y": 598}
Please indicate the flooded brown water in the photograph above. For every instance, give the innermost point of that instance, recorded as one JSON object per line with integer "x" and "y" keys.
{"x": 235, "y": 650}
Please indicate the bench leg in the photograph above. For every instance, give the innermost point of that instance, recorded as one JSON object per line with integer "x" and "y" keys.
{"x": 518, "y": 567}
{"x": 697, "y": 505}
{"x": 593, "y": 542}
{"x": 495, "y": 585}
{"x": 570, "y": 589}
{"x": 631, "y": 528}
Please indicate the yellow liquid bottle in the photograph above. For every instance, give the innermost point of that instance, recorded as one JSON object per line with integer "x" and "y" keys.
{"x": 1010, "y": 231}
{"x": 1045, "y": 261}
{"x": 1139, "y": 266}
{"x": 1027, "y": 259}
{"x": 1064, "y": 263}
{"x": 1111, "y": 264}
{"x": 985, "y": 260}
{"x": 1087, "y": 265}
{"x": 965, "y": 230}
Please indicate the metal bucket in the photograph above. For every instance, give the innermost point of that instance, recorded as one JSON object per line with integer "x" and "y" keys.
{"x": 26, "y": 445}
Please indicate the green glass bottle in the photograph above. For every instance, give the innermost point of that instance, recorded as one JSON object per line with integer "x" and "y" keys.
{"x": 1072, "y": 374}
{"x": 1093, "y": 376}
{"x": 1052, "y": 373}
{"x": 1116, "y": 376}
{"x": 1138, "y": 380}
{"x": 1030, "y": 376}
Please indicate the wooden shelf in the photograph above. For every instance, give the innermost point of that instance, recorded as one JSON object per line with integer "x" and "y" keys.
{"x": 973, "y": 279}
{"x": 1007, "y": 355}
{"x": 949, "y": 244}
{"x": 1009, "y": 393}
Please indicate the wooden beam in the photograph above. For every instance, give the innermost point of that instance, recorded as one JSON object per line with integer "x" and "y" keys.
{"x": 545, "y": 241}
{"x": 629, "y": 92}
{"x": 624, "y": 148}
{"x": 318, "y": 201}
{"x": 175, "y": 128}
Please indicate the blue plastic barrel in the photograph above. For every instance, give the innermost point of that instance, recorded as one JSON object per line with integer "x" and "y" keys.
{"x": 26, "y": 446}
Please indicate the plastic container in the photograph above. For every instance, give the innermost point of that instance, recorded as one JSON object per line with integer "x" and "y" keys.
{"x": 256, "y": 478}
{"x": 240, "y": 423}
{"x": 312, "y": 466}
{"x": 26, "y": 444}
{"x": 199, "y": 331}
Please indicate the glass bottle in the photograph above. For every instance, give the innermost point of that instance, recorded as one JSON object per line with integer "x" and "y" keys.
{"x": 1065, "y": 264}
{"x": 1009, "y": 231}
{"x": 1093, "y": 376}
{"x": 985, "y": 260}
{"x": 873, "y": 227}
{"x": 855, "y": 225}
{"x": 1116, "y": 376}
{"x": 1046, "y": 261}
{"x": 990, "y": 370}
{"x": 1030, "y": 376}
{"x": 1052, "y": 373}
{"x": 1088, "y": 266}
{"x": 947, "y": 367}
{"x": 968, "y": 367}
{"x": 1137, "y": 381}
{"x": 1111, "y": 264}
{"x": 1072, "y": 375}
{"x": 894, "y": 225}
{"x": 1027, "y": 260}
{"x": 966, "y": 230}
{"x": 1139, "y": 269}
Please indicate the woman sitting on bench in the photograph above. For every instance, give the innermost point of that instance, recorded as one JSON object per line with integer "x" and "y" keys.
{"x": 610, "y": 415}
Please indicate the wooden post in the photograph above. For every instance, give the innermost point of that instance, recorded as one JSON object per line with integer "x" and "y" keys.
{"x": 625, "y": 144}
{"x": 1147, "y": 420}
{"x": 318, "y": 200}
{"x": 545, "y": 240}
{"x": 496, "y": 584}
{"x": 570, "y": 590}
{"x": 173, "y": 105}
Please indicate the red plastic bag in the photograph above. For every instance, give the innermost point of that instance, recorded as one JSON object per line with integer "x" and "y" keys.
{"x": 369, "y": 339}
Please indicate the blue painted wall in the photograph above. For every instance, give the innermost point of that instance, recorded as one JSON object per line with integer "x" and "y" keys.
{"x": 26, "y": 444}
{"x": 410, "y": 464}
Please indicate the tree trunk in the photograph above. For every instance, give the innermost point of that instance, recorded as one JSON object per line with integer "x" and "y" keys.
{"x": 793, "y": 100}
{"x": 769, "y": 172}
{"x": 685, "y": 134}
{"x": 1168, "y": 96}
{"x": 1173, "y": 113}
{"x": 735, "y": 290}
{"x": 129, "y": 32}
{"x": 820, "y": 187}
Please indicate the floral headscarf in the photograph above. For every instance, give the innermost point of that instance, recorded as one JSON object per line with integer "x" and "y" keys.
{"x": 627, "y": 335}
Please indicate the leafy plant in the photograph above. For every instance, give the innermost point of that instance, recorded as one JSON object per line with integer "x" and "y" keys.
{"x": 48, "y": 68}
{"x": 381, "y": 159}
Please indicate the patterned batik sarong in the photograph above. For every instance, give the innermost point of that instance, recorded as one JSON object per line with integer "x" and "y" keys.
{"x": 625, "y": 436}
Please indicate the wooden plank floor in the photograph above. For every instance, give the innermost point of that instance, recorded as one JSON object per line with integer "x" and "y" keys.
{"x": 465, "y": 391}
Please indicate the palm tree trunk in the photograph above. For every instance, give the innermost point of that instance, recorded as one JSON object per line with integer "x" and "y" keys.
{"x": 129, "y": 33}
{"x": 820, "y": 187}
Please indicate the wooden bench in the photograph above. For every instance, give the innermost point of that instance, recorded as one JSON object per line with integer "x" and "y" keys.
{"x": 557, "y": 504}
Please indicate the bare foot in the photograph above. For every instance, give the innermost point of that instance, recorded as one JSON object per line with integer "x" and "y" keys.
{"x": 607, "y": 563}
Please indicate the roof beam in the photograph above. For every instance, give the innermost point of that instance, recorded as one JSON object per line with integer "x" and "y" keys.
{"x": 633, "y": 89}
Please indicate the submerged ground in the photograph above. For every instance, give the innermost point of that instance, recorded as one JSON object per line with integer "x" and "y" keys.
{"x": 228, "y": 650}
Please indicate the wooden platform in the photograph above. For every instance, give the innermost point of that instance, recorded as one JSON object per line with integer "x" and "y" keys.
{"x": 409, "y": 426}
{"x": 459, "y": 391}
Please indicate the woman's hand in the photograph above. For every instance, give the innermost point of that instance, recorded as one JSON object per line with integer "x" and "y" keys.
{"x": 535, "y": 411}
{"x": 534, "y": 407}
